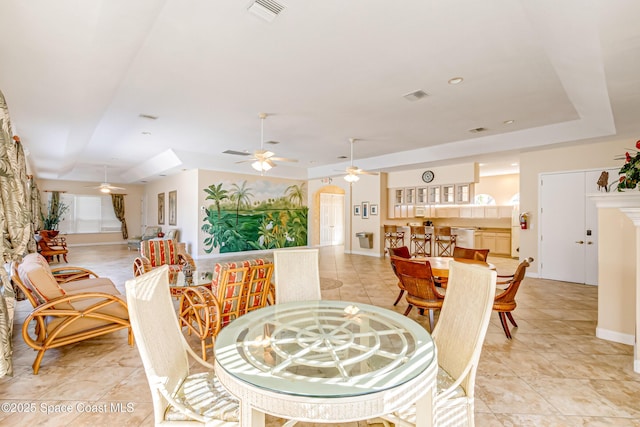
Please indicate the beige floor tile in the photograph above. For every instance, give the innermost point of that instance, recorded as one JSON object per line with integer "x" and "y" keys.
{"x": 554, "y": 372}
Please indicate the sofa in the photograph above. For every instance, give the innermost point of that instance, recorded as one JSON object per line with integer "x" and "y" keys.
{"x": 70, "y": 304}
{"x": 150, "y": 232}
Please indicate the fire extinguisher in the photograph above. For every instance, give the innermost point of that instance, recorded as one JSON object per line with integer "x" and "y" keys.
{"x": 524, "y": 219}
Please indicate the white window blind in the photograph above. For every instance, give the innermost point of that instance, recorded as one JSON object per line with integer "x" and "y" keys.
{"x": 88, "y": 214}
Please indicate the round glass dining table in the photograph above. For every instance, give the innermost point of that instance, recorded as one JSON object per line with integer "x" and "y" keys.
{"x": 326, "y": 362}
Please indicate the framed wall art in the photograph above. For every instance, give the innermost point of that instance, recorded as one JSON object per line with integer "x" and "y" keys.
{"x": 173, "y": 207}
{"x": 374, "y": 209}
{"x": 161, "y": 208}
{"x": 356, "y": 210}
{"x": 365, "y": 209}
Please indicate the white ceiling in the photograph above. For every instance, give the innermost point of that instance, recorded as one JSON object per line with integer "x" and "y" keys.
{"x": 77, "y": 75}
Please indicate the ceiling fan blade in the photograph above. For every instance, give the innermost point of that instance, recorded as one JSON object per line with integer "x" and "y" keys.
{"x": 237, "y": 153}
{"x": 362, "y": 172}
{"x": 283, "y": 159}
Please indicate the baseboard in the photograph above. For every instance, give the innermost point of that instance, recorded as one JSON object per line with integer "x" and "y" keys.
{"x": 614, "y": 336}
{"x": 96, "y": 244}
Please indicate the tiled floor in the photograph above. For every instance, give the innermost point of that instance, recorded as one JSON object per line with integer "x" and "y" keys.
{"x": 553, "y": 373}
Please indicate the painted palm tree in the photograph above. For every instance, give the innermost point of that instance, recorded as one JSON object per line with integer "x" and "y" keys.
{"x": 217, "y": 194}
{"x": 296, "y": 194}
{"x": 242, "y": 196}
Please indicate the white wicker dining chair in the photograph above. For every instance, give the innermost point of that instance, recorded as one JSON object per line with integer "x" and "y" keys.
{"x": 178, "y": 396}
{"x": 458, "y": 335}
{"x": 296, "y": 275}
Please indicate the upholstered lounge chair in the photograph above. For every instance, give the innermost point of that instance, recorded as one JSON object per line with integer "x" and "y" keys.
{"x": 158, "y": 252}
{"x": 70, "y": 304}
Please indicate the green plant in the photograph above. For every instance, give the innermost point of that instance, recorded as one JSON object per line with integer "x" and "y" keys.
{"x": 55, "y": 212}
{"x": 630, "y": 171}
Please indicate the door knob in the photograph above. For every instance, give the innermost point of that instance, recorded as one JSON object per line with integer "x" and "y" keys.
{"x": 580, "y": 242}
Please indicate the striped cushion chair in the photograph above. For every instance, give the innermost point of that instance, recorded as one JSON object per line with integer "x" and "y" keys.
{"x": 158, "y": 252}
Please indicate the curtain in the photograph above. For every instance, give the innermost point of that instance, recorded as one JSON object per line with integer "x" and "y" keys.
{"x": 118, "y": 208}
{"x": 15, "y": 225}
{"x": 36, "y": 204}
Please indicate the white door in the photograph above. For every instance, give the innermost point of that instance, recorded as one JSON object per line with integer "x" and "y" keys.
{"x": 331, "y": 219}
{"x": 569, "y": 227}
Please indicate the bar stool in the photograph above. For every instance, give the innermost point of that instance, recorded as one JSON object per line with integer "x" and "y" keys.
{"x": 393, "y": 237}
{"x": 445, "y": 241}
{"x": 420, "y": 241}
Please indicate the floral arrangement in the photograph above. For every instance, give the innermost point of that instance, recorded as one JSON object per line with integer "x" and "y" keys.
{"x": 630, "y": 172}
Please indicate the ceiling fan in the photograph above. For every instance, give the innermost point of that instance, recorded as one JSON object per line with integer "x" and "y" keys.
{"x": 354, "y": 171}
{"x": 105, "y": 187}
{"x": 262, "y": 159}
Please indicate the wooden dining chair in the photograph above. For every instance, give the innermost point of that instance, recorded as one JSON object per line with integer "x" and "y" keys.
{"x": 467, "y": 253}
{"x": 444, "y": 241}
{"x": 417, "y": 279}
{"x": 505, "y": 301}
{"x": 402, "y": 252}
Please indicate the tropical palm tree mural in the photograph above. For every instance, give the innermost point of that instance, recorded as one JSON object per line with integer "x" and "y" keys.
{"x": 241, "y": 196}
{"x": 217, "y": 194}
{"x": 275, "y": 218}
{"x": 296, "y": 193}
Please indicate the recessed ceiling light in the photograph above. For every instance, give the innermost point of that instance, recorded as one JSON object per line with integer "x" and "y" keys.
{"x": 455, "y": 80}
{"x": 146, "y": 133}
{"x": 514, "y": 164}
{"x": 508, "y": 122}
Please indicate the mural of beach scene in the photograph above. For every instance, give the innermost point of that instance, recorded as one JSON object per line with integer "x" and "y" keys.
{"x": 242, "y": 216}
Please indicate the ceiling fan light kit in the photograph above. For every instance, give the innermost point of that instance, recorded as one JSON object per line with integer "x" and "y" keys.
{"x": 353, "y": 172}
{"x": 262, "y": 160}
{"x": 105, "y": 187}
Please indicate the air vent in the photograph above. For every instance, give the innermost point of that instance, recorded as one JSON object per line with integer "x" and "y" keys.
{"x": 416, "y": 95}
{"x": 236, "y": 153}
{"x": 149, "y": 116}
{"x": 478, "y": 130}
{"x": 266, "y": 9}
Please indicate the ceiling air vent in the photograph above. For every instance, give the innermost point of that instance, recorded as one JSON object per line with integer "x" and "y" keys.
{"x": 478, "y": 130}
{"x": 266, "y": 9}
{"x": 416, "y": 95}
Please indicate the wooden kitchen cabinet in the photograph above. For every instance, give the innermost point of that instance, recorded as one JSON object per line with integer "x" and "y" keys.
{"x": 498, "y": 242}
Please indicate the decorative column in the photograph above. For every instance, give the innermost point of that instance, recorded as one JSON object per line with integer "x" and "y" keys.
{"x": 629, "y": 204}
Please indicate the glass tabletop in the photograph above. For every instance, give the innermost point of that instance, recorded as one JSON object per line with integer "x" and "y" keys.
{"x": 324, "y": 348}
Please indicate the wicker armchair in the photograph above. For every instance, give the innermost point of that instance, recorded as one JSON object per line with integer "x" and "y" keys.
{"x": 459, "y": 336}
{"x": 296, "y": 275}
{"x": 158, "y": 252}
{"x": 178, "y": 396}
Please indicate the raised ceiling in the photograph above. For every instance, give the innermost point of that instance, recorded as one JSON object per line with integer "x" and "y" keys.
{"x": 79, "y": 77}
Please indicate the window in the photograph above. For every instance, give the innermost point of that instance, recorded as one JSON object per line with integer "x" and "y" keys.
{"x": 88, "y": 214}
{"x": 484, "y": 199}
{"x": 515, "y": 200}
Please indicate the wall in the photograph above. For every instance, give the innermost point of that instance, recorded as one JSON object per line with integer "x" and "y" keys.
{"x": 185, "y": 184}
{"x": 578, "y": 157}
{"x": 617, "y": 278}
{"x": 501, "y": 187}
{"x": 134, "y": 193}
{"x": 206, "y": 178}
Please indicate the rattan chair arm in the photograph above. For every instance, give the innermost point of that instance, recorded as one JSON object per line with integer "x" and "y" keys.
{"x": 69, "y": 274}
